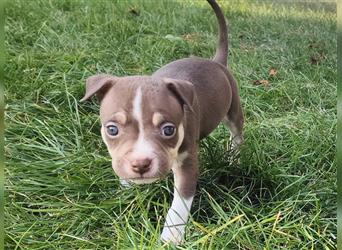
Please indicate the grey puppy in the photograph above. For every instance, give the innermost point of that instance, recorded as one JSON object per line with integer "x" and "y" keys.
{"x": 151, "y": 125}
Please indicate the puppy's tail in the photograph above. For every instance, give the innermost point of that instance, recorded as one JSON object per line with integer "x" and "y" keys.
{"x": 222, "y": 47}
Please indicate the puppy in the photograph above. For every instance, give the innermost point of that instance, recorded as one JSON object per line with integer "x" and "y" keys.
{"x": 151, "y": 125}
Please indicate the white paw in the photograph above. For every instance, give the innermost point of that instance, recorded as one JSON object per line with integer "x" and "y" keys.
{"x": 173, "y": 234}
{"x": 176, "y": 219}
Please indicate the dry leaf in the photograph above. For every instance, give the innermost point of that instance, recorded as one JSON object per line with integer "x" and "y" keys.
{"x": 314, "y": 60}
{"x": 316, "y": 45}
{"x": 133, "y": 11}
{"x": 272, "y": 72}
{"x": 190, "y": 37}
{"x": 260, "y": 82}
{"x": 317, "y": 58}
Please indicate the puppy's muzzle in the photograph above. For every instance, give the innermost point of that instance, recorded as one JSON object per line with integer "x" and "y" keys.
{"x": 141, "y": 165}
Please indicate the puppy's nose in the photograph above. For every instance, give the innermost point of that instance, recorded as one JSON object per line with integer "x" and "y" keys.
{"x": 141, "y": 165}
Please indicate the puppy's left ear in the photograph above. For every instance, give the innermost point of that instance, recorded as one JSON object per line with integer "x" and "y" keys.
{"x": 183, "y": 90}
{"x": 98, "y": 85}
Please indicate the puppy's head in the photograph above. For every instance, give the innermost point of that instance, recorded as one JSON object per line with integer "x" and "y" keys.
{"x": 142, "y": 122}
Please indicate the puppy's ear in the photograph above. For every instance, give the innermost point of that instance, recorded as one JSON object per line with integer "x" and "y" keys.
{"x": 183, "y": 90}
{"x": 98, "y": 85}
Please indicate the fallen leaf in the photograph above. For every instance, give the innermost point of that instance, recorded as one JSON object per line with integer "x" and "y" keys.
{"x": 272, "y": 72}
{"x": 190, "y": 37}
{"x": 317, "y": 58}
{"x": 261, "y": 82}
{"x": 316, "y": 45}
{"x": 133, "y": 11}
{"x": 314, "y": 60}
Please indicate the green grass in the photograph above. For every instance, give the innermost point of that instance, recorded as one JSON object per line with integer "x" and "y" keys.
{"x": 279, "y": 192}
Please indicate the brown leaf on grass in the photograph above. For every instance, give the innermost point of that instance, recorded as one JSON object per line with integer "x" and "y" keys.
{"x": 272, "y": 72}
{"x": 261, "y": 82}
{"x": 190, "y": 37}
{"x": 315, "y": 45}
{"x": 133, "y": 11}
{"x": 246, "y": 48}
{"x": 317, "y": 58}
{"x": 314, "y": 60}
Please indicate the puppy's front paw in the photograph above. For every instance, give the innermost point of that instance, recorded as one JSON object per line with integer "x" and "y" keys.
{"x": 173, "y": 234}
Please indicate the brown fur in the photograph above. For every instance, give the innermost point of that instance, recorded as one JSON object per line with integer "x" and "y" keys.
{"x": 193, "y": 94}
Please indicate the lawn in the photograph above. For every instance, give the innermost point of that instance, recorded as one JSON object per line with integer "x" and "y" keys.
{"x": 277, "y": 192}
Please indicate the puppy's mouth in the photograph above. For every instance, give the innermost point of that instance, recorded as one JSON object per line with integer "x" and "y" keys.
{"x": 143, "y": 180}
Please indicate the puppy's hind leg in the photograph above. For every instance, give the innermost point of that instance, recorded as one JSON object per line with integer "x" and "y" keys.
{"x": 234, "y": 122}
{"x": 236, "y": 137}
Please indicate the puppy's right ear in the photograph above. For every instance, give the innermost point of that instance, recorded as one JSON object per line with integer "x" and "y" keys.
{"x": 98, "y": 85}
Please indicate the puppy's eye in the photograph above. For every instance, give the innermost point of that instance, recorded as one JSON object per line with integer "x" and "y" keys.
{"x": 112, "y": 130}
{"x": 168, "y": 130}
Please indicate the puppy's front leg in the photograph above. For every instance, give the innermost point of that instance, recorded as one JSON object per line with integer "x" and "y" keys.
{"x": 185, "y": 180}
